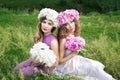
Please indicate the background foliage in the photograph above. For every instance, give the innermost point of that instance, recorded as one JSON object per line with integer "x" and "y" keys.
{"x": 84, "y": 6}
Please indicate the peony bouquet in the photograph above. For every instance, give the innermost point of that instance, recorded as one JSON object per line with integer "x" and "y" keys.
{"x": 74, "y": 43}
{"x": 41, "y": 53}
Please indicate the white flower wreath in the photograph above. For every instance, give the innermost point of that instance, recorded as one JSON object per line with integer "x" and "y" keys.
{"x": 50, "y": 14}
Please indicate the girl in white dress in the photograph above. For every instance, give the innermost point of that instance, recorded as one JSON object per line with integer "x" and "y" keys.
{"x": 71, "y": 63}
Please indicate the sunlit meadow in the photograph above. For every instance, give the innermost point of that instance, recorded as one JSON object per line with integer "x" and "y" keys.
{"x": 17, "y": 28}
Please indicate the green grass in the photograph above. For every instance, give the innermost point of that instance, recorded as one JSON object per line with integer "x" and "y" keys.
{"x": 101, "y": 31}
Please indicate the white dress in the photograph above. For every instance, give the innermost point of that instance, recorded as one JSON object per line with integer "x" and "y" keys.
{"x": 83, "y": 68}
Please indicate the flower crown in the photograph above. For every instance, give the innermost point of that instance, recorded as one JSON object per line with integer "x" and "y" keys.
{"x": 50, "y": 14}
{"x": 67, "y": 15}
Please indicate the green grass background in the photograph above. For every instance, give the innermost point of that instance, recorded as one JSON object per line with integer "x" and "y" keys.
{"x": 17, "y": 28}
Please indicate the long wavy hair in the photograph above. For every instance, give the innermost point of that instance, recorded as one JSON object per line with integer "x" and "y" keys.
{"x": 39, "y": 34}
{"x": 63, "y": 31}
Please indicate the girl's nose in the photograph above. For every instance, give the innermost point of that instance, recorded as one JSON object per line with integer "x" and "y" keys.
{"x": 70, "y": 25}
{"x": 46, "y": 25}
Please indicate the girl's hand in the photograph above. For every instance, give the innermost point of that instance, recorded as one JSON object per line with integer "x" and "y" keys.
{"x": 36, "y": 70}
{"x": 55, "y": 64}
{"x": 76, "y": 52}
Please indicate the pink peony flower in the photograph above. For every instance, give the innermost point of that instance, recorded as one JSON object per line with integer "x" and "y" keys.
{"x": 74, "y": 43}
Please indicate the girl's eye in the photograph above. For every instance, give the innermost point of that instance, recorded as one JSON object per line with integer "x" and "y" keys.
{"x": 43, "y": 21}
{"x": 50, "y": 24}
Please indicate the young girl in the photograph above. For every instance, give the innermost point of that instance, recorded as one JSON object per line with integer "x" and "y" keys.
{"x": 47, "y": 24}
{"x": 71, "y": 63}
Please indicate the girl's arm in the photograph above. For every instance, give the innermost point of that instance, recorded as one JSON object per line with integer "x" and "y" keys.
{"x": 62, "y": 52}
{"x": 54, "y": 47}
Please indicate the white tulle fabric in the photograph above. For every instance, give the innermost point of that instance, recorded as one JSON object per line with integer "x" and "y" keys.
{"x": 84, "y": 68}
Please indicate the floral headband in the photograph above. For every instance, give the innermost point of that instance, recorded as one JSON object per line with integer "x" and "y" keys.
{"x": 50, "y": 14}
{"x": 67, "y": 15}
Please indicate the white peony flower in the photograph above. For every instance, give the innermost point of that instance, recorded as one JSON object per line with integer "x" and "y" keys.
{"x": 40, "y": 52}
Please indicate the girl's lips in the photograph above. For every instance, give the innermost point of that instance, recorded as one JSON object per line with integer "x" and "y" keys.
{"x": 71, "y": 29}
{"x": 45, "y": 29}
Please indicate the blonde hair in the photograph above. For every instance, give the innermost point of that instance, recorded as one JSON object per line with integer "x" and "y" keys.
{"x": 63, "y": 32}
{"x": 39, "y": 34}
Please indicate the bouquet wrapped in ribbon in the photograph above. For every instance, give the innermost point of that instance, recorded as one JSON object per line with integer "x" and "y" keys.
{"x": 41, "y": 53}
{"x": 74, "y": 43}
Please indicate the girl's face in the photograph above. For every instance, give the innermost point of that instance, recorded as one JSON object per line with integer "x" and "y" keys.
{"x": 46, "y": 26}
{"x": 70, "y": 26}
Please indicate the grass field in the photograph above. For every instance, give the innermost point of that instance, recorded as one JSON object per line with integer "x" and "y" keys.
{"x": 17, "y": 28}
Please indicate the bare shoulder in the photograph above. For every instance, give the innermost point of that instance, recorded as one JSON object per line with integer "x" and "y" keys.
{"x": 54, "y": 41}
{"x": 54, "y": 44}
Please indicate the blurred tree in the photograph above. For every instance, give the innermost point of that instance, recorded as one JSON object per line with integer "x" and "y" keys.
{"x": 84, "y": 6}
